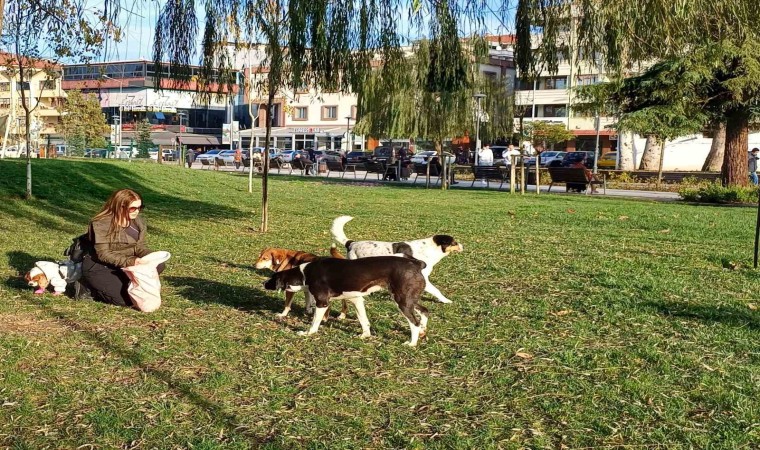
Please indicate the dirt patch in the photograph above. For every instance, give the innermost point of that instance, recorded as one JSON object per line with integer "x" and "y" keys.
{"x": 25, "y": 325}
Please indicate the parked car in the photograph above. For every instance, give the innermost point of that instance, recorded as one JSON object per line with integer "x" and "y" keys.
{"x": 357, "y": 157}
{"x": 227, "y": 155}
{"x": 260, "y": 151}
{"x": 547, "y": 157}
{"x": 423, "y": 157}
{"x": 571, "y": 158}
{"x": 382, "y": 152}
{"x": 286, "y": 155}
{"x": 607, "y": 161}
{"x": 95, "y": 153}
{"x": 209, "y": 155}
{"x": 327, "y": 155}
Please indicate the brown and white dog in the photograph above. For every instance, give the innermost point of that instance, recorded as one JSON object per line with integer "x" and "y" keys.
{"x": 330, "y": 278}
{"x": 428, "y": 250}
{"x": 280, "y": 259}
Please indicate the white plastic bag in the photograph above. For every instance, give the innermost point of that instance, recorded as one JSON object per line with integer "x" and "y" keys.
{"x": 145, "y": 286}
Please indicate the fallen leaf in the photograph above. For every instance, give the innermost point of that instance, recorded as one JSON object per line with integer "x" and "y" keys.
{"x": 564, "y": 312}
{"x": 571, "y": 211}
{"x": 511, "y": 213}
{"x": 623, "y": 217}
{"x": 666, "y": 230}
{"x": 752, "y": 306}
{"x": 523, "y": 355}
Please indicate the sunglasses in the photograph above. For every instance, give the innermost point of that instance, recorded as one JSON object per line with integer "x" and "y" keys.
{"x": 133, "y": 209}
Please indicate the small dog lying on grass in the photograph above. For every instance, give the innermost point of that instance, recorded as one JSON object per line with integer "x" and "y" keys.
{"x": 56, "y": 274}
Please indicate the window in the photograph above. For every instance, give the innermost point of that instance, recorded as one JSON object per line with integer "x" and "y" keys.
{"x": 489, "y": 74}
{"x": 5, "y": 87}
{"x": 23, "y": 86}
{"x": 585, "y": 80}
{"x": 47, "y": 84}
{"x": 524, "y": 85}
{"x": 301, "y": 113}
{"x": 329, "y": 113}
{"x": 556, "y": 83}
{"x": 5, "y": 103}
{"x": 555, "y": 111}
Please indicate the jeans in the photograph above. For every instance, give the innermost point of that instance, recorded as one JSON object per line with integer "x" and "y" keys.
{"x": 753, "y": 178}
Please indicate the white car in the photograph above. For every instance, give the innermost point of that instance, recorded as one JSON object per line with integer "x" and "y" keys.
{"x": 209, "y": 155}
{"x": 547, "y": 157}
{"x": 227, "y": 155}
{"x": 423, "y": 157}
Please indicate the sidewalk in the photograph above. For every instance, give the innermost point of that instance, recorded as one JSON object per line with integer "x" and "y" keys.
{"x": 560, "y": 189}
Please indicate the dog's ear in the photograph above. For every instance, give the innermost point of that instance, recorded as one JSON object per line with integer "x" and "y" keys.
{"x": 28, "y": 277}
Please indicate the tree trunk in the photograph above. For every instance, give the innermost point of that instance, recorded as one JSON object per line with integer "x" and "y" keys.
{"x": 714, "y": 159}
{"x": 662, "y": 160}
{"x": 734, "y": 171}
{"x": 265, "y": 173}
{"x": 28, "y": 193}
{"x": 625, "y": 147}
{"x": 654, "y": 147}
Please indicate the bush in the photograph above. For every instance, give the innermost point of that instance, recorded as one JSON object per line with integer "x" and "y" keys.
{"x": 715, "y": 193}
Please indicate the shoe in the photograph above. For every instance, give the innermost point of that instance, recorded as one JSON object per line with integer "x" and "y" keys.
{"x": 81, "y": 292}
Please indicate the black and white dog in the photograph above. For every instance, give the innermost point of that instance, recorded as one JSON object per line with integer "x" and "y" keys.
{"x": 331, "y": 278}
{"x": 428, "y": 250}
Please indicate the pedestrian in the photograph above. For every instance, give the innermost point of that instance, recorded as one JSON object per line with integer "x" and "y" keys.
{"x": 238, "y": 158}
{"x": 752, "y": 165}
{"x": 485, "y": 156}
{"x": 117, "y": 234}
{"x": 190, "y": 157}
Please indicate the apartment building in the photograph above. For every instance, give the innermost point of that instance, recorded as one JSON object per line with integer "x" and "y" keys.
{"x": 550, "y": 97}
{"x": 44, "y": 95}
{"x": 307, "y": 118}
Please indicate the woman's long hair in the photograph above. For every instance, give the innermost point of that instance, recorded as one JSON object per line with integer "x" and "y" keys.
{"x": 117, "y": 207}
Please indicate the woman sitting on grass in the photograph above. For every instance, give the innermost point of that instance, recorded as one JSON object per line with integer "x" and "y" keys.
{"x": 117, "y": 237}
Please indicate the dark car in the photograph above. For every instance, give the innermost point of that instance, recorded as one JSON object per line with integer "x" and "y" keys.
{"x": 382, "y": 152}
{"x": 358, "y": 157}
{"x": 571, "y": 158}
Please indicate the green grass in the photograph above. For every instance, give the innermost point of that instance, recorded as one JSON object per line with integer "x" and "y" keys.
{"x": 577, "y": 322}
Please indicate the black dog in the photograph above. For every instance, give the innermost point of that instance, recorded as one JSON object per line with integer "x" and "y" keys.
{"x": 330, "y": 278}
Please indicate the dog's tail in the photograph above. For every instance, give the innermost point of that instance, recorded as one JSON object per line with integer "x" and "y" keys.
{"x": 335, "y": 253}
{"x": 337, "y": 229}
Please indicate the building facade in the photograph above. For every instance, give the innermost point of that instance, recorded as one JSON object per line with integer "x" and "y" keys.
{"x": 128, "y": 94}
{"x": 44, "y": 95}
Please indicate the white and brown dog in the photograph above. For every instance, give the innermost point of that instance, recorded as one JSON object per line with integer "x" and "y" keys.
{"x": 56, "y": 274}
{"x": 280, "y": 259}
{"x": 330, "y": 278}
{"x": 428, "y": 250}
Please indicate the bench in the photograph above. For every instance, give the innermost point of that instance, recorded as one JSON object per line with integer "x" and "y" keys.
{"x": 219, "y": 162}
{"x": 488, "y": 174}
{"x": 333, "y": 165}
{"x": 302, "y": 165}
{"x": 376, "y": 167}
{"x": 422, "y": 169}
{"x": 574, "y": 178}
{"x": 205, "y": 163}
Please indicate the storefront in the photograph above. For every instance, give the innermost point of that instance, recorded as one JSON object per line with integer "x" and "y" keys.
{"x": 300, "y": 138}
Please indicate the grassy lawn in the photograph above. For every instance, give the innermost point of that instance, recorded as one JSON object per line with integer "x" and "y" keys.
{"x": 577, "y": 322}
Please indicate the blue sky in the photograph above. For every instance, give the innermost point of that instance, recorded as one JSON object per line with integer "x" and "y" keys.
{"x": 138, "y": 21}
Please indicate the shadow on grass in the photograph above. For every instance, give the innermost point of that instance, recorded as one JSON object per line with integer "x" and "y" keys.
{"x": 733, "y": 316}
{"x": 245, "y": 298}
{"x": 74, "y": 190}
{"x": 218, "y": 413}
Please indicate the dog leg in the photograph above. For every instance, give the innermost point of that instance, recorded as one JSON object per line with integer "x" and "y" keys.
{"x": 414, "y": 324}
{"x": 361, "y": 314}
{"x": 343, "y": 310}
{"x": 288, "y": 300}
{"x": 432, "y": 290}
{"x": 318, "y": 315}
{"x": 423, "y": 319}
{"x": 309, "y": 302}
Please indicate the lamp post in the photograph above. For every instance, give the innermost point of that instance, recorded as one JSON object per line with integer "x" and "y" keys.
{"x": 121, "y": 104}
{"x": 116, "y": 128}
{"x": 478, "y": 97}
{"x": 179, "y": 152}
{"x": 348, "y": 139}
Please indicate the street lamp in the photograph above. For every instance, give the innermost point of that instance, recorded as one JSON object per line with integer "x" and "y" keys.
{"x": 179, "y": 153}
{"x": 348, "y": 139}
{"x": 116, "y": 128}
{"x": 121, "y": 103}
{"x": 478, "y": 97}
